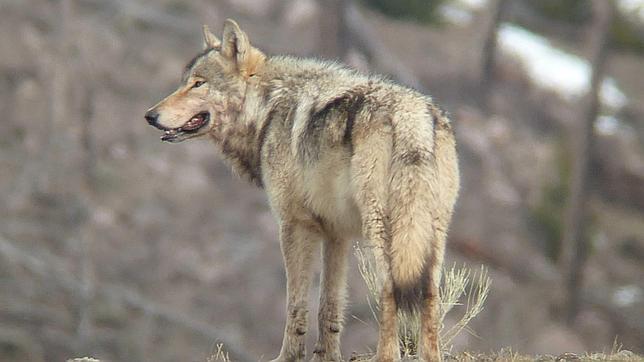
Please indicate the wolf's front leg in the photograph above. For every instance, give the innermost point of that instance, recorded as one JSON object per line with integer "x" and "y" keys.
{"x": 297, "y": 241}
{"x": 332, "y": 299}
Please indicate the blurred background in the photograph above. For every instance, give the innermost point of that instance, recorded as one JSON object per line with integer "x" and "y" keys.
{"x": 116, "y": 245}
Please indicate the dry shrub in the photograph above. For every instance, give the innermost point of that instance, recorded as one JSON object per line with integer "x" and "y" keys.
{"x": 460, "y": 287}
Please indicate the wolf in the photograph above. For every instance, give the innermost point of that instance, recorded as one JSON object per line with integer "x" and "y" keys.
{"x": 342, "y": 156}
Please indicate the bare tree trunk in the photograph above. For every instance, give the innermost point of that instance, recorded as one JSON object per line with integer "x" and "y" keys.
{"x": 488, "y": 53}
{"x": 333, "y": 39}
{"x": 58, "y": 104}
{"x": 574, "y": 243}
{"x": 87, "y": 139}
{"x": 85, "y": 234}
{"x": 85, "y": 293}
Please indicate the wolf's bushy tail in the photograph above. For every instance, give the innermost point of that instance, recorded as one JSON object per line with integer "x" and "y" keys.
{"x": 414, "y": 203}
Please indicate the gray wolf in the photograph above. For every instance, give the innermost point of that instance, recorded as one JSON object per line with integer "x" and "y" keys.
{"x": 341, "y": 156}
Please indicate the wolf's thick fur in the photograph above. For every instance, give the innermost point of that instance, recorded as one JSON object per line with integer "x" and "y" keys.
{"x": 341, "y": 156}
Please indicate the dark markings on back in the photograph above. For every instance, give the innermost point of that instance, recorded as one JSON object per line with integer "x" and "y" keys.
{"x": 440, "y": 120}
{"x": 345, "y": 106}
{"x": 355, "y": 107}
{"x": 414, "y": 157}
{"x": 289, "y": 120}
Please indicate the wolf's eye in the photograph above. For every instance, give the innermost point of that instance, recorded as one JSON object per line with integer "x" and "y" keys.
{"x": 198, "y": 84}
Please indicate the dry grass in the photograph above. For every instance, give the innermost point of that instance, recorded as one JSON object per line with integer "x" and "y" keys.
{"x": 219, "y": 355}
{"x": 510, "y": 356}
{"x": 504, "y": 355}
{"x": 458, "y": 284}
{"x": 460, "y": 288}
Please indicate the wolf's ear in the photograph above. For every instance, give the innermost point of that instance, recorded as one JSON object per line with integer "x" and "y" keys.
{"x": 236, "y": 47}
{"x": 236, "y": 42}
{"x": 209, "y": 39}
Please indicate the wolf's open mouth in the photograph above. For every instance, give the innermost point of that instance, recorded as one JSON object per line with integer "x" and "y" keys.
{"x": 195, "y": 123}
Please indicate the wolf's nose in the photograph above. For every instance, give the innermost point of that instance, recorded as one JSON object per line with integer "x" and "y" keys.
{"x": 152, "y": 116}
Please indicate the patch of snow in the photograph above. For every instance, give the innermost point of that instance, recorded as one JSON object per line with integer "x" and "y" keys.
{"x": 555, "y": 69}
{"x": 627, "y": 295}
{"x": 474, "y": 4}
{"x": 461, "y": 12}
{"x": 632, "y": 7}
{"x": 456, "y": 15}
{"x": 611, "y": 95}
{"x": 607, "y": 125}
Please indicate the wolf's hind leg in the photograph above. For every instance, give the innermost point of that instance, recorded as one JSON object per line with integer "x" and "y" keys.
{"x": 370, "y": 167}
{"x": 429, "y": 346}
{"x": 444, "y": 173}
{"x": 332, "y": 299}
{"x": 298, "y": 240}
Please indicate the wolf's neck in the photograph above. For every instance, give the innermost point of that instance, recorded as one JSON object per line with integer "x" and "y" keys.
{"x": 241, "y": 150}
{"x": 241, "y": 144}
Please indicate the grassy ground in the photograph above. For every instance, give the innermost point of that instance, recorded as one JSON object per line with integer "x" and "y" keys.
{"x": 511, "y": 356}
{"x": 460, "y": 286}
{"x": 508, "y": 355}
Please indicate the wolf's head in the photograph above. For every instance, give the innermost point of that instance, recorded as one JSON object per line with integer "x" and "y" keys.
{"x": 212, "y": 89}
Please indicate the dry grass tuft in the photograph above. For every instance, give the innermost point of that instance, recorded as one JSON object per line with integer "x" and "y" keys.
{"x": 219, "y": 355}
{"x": 457, "y": 283}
